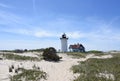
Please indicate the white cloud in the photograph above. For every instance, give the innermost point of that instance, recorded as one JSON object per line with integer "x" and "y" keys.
{"x": 44, "y": 34}
{"x": 75, "y": 34}
{"x": 31, "y": 44}
{"x": 32, "y": 32}
{"x": 10, "y": 19}
{"x": 4, "y": 5}
{"x": 34, "y": 7}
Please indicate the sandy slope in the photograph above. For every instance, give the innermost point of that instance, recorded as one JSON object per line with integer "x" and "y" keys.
{"x": 56, "y": 71}
{"x": 61, "y": 71}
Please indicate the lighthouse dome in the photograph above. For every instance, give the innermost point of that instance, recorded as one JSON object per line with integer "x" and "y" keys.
{"x": 64, "y": 35}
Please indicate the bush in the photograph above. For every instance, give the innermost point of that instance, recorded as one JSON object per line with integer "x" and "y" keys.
{"x": 49, "y": 54}
{"x": 18, "y": 51}
{"x": 25, "y": 50}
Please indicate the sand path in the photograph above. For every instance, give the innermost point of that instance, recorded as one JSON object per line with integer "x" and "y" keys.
{"x": 61, "y": 71}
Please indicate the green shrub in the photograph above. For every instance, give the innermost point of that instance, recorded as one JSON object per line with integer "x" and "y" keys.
{"x": 49, "y": 54}
{"x": 18, "y": 51}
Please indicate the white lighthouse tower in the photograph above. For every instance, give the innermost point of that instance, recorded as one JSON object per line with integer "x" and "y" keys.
{"x": 64, "y": 43}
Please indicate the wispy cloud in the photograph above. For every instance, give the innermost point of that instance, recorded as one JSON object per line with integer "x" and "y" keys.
{"x": 9, "y": 18}
{"x": 13, "y": 21}
{"x": 75, "y": 34}
{"x": 32, "y": 32}
{"x": 18, "y": 25}
{"x": 34, "y": 7}
{"x": 44, "y": 34}
{"x": 2, "y": 5}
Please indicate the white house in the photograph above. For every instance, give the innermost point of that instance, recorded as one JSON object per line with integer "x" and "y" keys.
{"x": 77, "y": 48}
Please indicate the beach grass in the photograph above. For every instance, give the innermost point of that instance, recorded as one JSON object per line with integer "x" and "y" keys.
{"x": 77, "y": 54}
{"x": 90, "y": 69}
{"x": 29, "y": 75}
{"x": 11, "y": 56}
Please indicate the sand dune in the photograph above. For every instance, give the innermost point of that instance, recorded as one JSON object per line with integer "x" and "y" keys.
{"x": 56, "y": 71}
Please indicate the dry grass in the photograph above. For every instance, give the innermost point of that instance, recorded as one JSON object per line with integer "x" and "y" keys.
{"x": 29, "y": 75}
{"x": 92, "y": 67}
{"x": 11, "y": 56}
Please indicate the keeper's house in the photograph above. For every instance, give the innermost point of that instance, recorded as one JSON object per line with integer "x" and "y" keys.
{"x": 77, "y": 48}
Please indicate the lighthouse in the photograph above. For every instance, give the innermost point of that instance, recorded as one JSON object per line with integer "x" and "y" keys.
{"x": 64, "y": 43}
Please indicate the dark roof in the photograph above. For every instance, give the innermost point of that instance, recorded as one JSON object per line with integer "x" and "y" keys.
{"x": 64, "y": 36}
{"x": 76, "y": 46}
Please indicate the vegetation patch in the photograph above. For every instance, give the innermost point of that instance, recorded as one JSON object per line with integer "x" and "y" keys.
{"x": 77, "y": 54}
{"x": 19, "y": 57}
{"x": 29, "y": 75}
{"x": 96, "y": 52}
{"x": 49, "y": 54}
{"x": 90, "y": 68}
{"x": 116, "y": 55}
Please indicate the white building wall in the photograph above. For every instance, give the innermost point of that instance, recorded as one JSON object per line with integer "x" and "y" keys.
{"x": 64, "y": 44}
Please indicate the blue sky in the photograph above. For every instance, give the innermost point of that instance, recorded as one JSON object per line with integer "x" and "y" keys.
{"x": 40, "y": 23}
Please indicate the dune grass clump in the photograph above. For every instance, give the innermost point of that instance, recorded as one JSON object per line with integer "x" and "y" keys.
{"x": 29, "y": 75}
{"x": 10, "y": 69}
{"x": 18, "y": 57}
{"x": 77, "y": 54}
{"x": 84, "y": 77}
{"x": 96, "y": 52}
{"x": 90, "y": 69}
